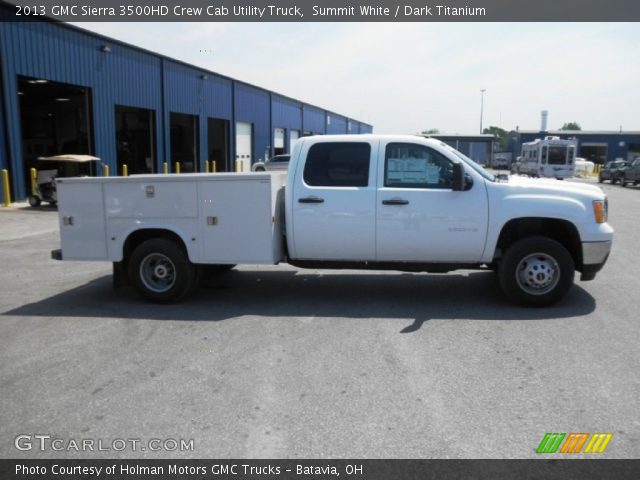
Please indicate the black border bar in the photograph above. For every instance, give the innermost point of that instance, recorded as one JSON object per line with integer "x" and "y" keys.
{"x": 326, "y": 10}
{"x": 355, "y": 469}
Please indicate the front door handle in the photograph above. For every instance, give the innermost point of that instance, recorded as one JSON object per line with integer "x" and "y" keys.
{"x": 395, "y": 201}
{"x": 311, "y": 200}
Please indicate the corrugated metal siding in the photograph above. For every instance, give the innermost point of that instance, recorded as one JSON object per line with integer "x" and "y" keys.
{"x": 337, "y": 125}
{"x": 133, "y": 77}
{"x": 186, "y": 91}
{"x": 124, "y": 76}
{"x": 286, "y": 113}
{"x": 253, "y": 106}
{"x": 313, "y": 120}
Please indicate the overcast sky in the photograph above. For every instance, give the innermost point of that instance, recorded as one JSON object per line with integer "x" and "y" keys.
{"x": 408, "y": 77}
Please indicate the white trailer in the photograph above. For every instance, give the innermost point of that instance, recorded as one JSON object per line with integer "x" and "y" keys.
{"x": 549, "y": 157}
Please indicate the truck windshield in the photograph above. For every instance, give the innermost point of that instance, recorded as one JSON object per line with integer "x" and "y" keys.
{"x": 478, "y": 168}
{"x": 557, "y": 155}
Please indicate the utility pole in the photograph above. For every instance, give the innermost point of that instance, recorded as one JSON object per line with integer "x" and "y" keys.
{"x": 482, "y": 90}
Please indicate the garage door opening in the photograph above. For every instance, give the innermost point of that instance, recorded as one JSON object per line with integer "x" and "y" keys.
{"x": 596, "y": 152}
{"x": 244, "y": 146}
{"x": 184, "y": 142}
{"x": 278, "y": 141}
{"x": 218, "y": 143}
{"x": 135, "y": 139}
{"x": 55, "y": 119}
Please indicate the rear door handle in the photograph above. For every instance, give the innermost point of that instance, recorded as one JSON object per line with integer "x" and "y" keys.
{"x": 311, "y": 200}
{"x": 395, "y": 201}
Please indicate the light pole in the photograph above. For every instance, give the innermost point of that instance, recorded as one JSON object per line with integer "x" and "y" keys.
{"x": 482, "y": 90}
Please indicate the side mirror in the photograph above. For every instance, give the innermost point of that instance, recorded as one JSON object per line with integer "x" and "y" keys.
{"x": 458, "y": 177}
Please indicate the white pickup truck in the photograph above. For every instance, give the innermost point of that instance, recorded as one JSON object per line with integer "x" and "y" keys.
{"x": 368, "y": 202}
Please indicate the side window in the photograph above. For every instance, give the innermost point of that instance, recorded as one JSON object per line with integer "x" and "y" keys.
{"x": 416, "y": 166}
{"x": 338, "y": 164}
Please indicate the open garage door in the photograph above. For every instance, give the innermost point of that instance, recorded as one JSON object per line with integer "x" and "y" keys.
{"x": 184, "y": 142}
{"x": 596, "y": 152}
{"x": 135, "y": 139}
{"x": 218, "y": 143}
{"x": 55, "y": 119}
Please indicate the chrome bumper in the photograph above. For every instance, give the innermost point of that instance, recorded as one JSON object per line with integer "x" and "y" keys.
{"x": 595, "y": 252}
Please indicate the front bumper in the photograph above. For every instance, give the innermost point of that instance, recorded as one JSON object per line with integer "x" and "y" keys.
{"x": 594, "y": 256}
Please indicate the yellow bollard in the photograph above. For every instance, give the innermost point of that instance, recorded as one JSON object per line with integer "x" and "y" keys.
{"x": 206, "y": 166}
{"x": 177, "y": 167}
{"x": 34, "y": 182}
{"x": 214, "y": 165}
{"x": 165, "y": 167}
{"x": 105, "y": 170}
{"x": 125, "y": 170}
{"x": 5, "y": 187}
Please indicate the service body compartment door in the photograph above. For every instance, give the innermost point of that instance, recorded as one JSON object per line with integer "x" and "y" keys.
{"x": 333, "y": 202}
{"x": 82, "y": 220}
{"x": 237, "y": 221}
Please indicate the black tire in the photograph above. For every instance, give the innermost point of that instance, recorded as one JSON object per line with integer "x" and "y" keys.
{"x": 260, "y": 169}
{"x": 623, "y": 182}
{"x": 536, "y": 271}
{"x": 600, "y": 180}
{"x": 161, "y": 271}
{"x": 34, "y": 201}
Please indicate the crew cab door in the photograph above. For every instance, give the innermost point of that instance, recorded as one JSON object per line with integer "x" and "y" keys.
{"x": 333, "y": 201}
{"x": 419, "y": 216}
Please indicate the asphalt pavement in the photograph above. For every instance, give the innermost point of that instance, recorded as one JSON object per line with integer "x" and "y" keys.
{"x": 278, "y": 362}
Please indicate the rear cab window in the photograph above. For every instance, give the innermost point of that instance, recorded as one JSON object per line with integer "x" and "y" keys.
{"x": 338, "y": 164}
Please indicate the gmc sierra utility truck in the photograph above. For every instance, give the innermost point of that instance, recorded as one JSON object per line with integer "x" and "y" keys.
{"x": 352, "y": 202}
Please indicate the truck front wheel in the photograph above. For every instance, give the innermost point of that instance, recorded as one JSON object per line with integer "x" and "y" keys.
{"x": 161, "y": 271}
{"x": 536, "y": 271}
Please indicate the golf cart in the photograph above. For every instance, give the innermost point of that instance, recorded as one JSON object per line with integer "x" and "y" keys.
{"x": 43, "y": 185}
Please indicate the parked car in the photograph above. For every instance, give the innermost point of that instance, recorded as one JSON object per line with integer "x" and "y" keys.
{"x": 584, "y": 167}
{"x": 613, "y": 171}
{"x": 631, "y": 174}
{"x": 501, "y": 164}
{"x": 276, "y": 163}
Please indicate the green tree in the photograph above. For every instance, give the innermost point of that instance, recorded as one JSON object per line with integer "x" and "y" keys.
{"x": 571, "y": 126}
{"x": 499, "y": 133}
{"x": 431, "y": 131}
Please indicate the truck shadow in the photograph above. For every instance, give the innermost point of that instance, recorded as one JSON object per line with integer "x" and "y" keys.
{"x": 321, "y": 294}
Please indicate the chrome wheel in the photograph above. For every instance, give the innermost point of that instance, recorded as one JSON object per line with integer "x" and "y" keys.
{"x": 157, "y": 272}
{"x": 537, "y": 273}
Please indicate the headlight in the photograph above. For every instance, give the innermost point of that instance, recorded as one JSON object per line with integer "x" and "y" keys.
{"x": 600, "y": 208}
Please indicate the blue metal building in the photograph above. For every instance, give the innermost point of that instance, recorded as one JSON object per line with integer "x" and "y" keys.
{"x": 478, "y": 147}
{"x": 67, "y": 90}
{"x": 598, "y": 147}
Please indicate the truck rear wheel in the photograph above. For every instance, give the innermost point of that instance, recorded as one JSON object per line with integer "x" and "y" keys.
{"x": 161, "y": 271}
{"x": 536, "y": 271}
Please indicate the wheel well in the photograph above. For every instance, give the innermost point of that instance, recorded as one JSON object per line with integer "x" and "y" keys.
{"x": 136, "y": 238}
{"x": 561, "y": 231}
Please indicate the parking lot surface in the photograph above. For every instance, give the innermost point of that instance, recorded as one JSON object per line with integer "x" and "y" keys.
{"x": 281, "y": 362}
